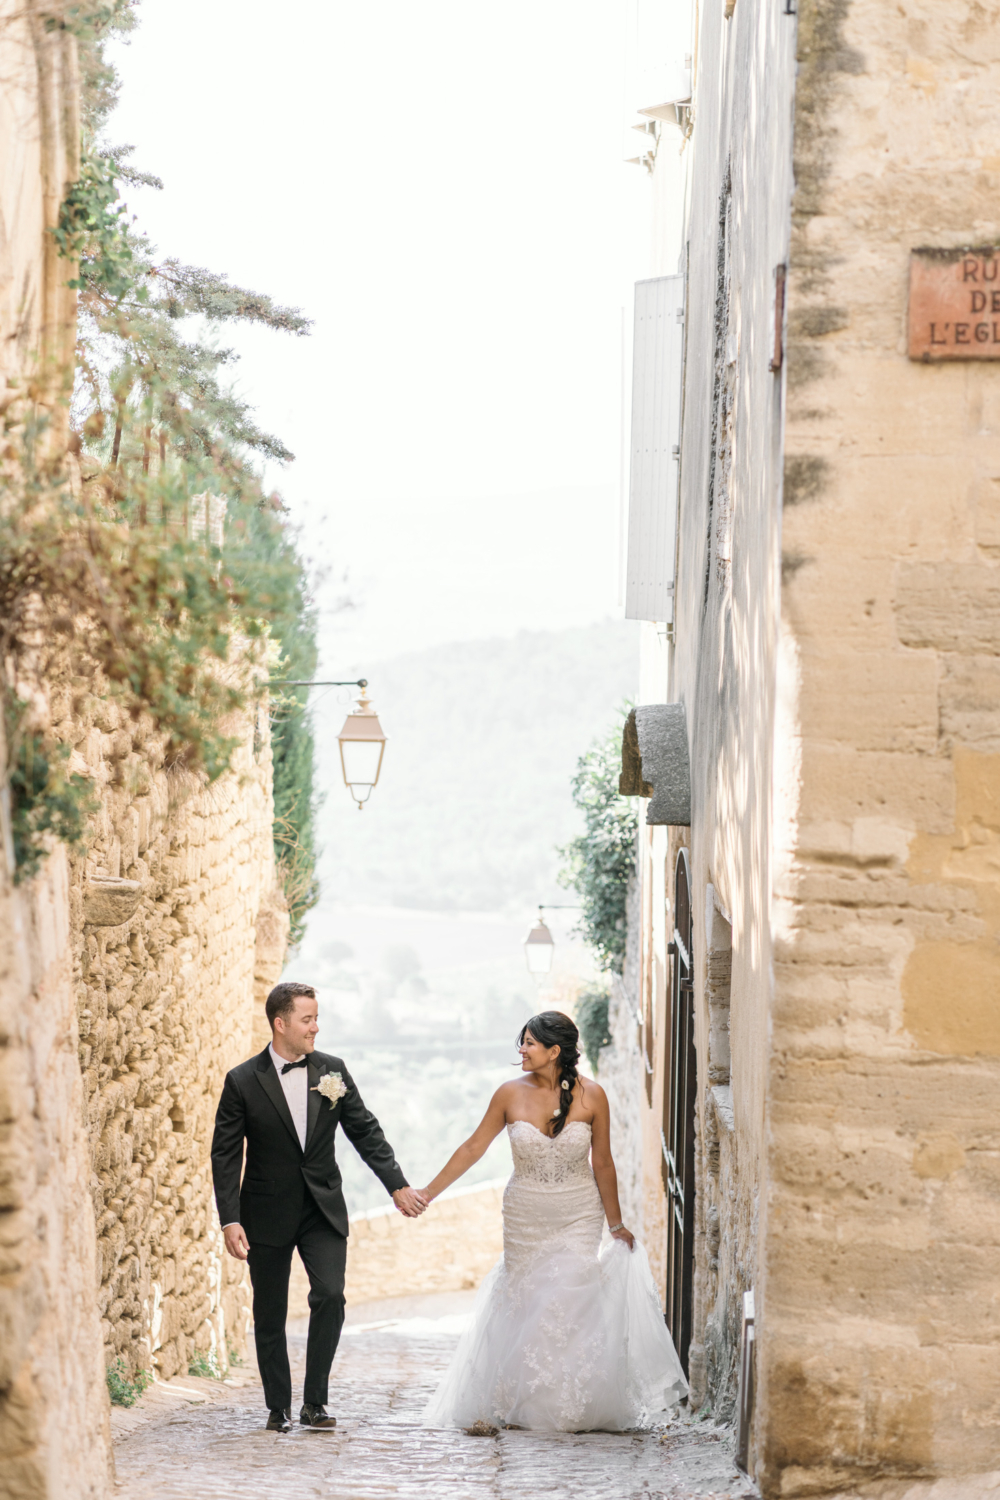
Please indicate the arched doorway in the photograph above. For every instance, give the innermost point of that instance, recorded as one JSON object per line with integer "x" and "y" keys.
{"x": 677, "y": 1133}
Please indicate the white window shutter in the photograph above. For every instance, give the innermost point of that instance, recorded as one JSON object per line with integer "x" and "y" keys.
{"x": 656, "y": 422}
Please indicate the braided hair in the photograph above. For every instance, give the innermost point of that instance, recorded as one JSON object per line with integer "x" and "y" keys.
{"x": 553, "y": 1029}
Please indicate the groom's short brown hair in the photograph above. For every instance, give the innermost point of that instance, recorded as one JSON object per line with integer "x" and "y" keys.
{"x": 281, "y": 1000}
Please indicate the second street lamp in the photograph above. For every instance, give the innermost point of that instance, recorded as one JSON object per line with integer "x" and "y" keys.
{"x": 539, "y": 947}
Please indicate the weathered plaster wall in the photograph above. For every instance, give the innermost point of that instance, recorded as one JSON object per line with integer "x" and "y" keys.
{"x": 880, "y": 1327}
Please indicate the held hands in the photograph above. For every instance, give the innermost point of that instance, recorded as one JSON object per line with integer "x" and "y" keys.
{"x": 236, "y": 1241}
{"x": 410, "y": 1202}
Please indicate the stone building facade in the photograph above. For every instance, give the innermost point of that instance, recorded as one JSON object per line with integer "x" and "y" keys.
{"x": 831, "y": 913}
{"x": 131, "y": 977}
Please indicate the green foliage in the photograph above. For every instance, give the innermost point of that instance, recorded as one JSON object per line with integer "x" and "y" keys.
{"x": 205, "y": 1365}
{"x": 293, "y": 747}
{"x": 176, "y": 625}
{"x": 91, "y": 228}
{"x": 46, "y": 802}
{"x": 125, "y": 1392}
{"x": 600, "y": 860}
{"x": 591, "y": 1016}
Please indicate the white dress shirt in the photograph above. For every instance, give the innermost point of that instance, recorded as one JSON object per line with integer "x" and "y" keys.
{"x": 295, "y": 1087}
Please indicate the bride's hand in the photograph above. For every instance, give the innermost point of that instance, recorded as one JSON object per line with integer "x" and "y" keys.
{"x": 625, "y": 1235}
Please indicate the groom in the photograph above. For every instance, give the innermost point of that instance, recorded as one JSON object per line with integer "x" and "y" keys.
{"x": 286, "y": 1104}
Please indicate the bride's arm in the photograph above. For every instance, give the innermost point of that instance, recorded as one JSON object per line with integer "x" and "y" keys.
{"x": 471, "y": 1150}
{"x": 603, "y": 1162}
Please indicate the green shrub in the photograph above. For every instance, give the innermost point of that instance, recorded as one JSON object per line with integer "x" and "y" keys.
{"x": 600, "y": 862}
{"x": 591, "y": 1015}
{"x": 125, "y": 1392}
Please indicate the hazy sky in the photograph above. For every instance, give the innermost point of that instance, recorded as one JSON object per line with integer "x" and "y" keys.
{"x": 441, "y": 187}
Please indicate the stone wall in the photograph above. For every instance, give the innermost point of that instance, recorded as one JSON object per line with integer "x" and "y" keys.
{"x": 54, "y": 1436}
{"x": 165, "y": 908}
{"x": 836, "y": 651}
{"x": 51, "y": 1354}
{"x": 880, "y": 1318}
{"x": 450, "y": 1248}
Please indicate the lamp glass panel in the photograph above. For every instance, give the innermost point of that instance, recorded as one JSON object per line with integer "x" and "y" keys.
{"x": 361, "y": 760}
{"x": 539, "y": 956}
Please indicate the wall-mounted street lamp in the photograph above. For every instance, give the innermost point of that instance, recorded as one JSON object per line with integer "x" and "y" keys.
{"x": 540, "y": 945}
{"x": 362, "y": 741}
{"x": 362, "y": 745}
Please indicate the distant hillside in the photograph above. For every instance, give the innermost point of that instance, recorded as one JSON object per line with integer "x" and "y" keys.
{"x": 484, "y": 737}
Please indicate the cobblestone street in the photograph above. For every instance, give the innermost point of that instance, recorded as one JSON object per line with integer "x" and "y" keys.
{"x": 191, "y": 1439}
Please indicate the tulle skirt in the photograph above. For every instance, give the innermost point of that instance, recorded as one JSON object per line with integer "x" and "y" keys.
{"x": 570, "y": 1340}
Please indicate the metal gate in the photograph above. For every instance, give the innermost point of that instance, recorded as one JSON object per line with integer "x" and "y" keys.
{"x": 677, "y": 1134}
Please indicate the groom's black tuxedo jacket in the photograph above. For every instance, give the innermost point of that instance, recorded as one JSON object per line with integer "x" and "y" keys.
{"x": 270, "y": 1201}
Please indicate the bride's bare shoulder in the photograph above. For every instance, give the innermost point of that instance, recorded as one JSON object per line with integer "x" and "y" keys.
{"x": 506, "y": 1091}
{"x": 592, "y": 1095}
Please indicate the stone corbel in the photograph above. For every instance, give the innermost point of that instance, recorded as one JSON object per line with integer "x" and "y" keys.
{"x": 655, "y": 762}
{"x": 108, "y": 902}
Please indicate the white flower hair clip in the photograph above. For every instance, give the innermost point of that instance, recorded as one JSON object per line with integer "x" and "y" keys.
{"x": 332, "y": 1087}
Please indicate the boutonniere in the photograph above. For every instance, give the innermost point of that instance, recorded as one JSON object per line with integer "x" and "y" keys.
{"x": 332, "y": 1087}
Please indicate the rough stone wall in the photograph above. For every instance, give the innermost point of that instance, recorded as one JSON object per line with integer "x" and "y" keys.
{"x": 54, "y": 1435}
{"x": 620, "y": 1072}
{"x": 166, "y": 1007}
{"x": 50, "y": 1341}
{"x": 880, "y": 1326}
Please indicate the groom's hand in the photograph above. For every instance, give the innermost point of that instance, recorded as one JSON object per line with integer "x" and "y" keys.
{"x": 236, "y": 1241}
{"x": 409, "y": 1202}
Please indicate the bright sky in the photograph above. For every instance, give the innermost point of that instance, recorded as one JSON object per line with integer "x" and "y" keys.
{"x": 441, "y": 187}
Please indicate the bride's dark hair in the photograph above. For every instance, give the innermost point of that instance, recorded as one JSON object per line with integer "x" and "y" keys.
{"x": 553, "y": 1029}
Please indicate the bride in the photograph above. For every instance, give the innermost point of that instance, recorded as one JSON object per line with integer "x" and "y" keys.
{"x": 565, "y": 1335}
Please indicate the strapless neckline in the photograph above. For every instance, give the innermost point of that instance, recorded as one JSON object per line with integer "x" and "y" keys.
{"x": 544, "y": 1134}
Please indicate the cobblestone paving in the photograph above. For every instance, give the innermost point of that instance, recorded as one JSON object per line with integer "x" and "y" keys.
{"x": 194, "y": 1439}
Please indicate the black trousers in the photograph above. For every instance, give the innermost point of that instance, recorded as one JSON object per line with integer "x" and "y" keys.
{"x": 324, "y": 1255}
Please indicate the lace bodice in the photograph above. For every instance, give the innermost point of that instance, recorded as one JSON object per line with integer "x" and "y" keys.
{"x": 551, "y": 1161}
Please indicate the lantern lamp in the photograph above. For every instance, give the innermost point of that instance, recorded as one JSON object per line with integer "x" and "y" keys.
{"x": 362, "y": 745}
{"x": 539, "y": 947}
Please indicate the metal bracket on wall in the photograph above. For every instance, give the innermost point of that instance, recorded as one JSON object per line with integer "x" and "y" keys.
{"x": 745, "y": 1393}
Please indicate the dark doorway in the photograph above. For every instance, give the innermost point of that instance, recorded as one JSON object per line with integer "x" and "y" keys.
{"x": 677, "y": 1134}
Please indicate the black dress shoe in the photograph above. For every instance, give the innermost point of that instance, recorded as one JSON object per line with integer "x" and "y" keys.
{"x": 279, "y": 1421}
{"x": 316, "y": 1416}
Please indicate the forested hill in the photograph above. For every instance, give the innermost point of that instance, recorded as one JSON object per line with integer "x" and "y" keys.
{"x": 475, "y": 791}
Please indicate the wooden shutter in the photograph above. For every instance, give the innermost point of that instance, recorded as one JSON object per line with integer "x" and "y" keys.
{"x": 656, "y": 421}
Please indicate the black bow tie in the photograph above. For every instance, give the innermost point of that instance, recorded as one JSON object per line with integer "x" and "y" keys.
{"x": 289, "y": 1066}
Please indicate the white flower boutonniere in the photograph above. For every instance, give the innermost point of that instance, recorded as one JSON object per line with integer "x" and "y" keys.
{"x": 332, "y": 1087}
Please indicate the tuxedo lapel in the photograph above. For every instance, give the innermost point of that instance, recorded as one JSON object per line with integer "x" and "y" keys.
{"x": 271, "y": 1084}
{"x": 315, "y": 1101}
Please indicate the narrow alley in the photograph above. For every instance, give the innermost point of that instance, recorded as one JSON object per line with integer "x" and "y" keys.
{"x": 200, "y": 1439}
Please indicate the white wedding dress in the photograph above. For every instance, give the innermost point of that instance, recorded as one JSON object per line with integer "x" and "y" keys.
{"x": 565, "y": 1336}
